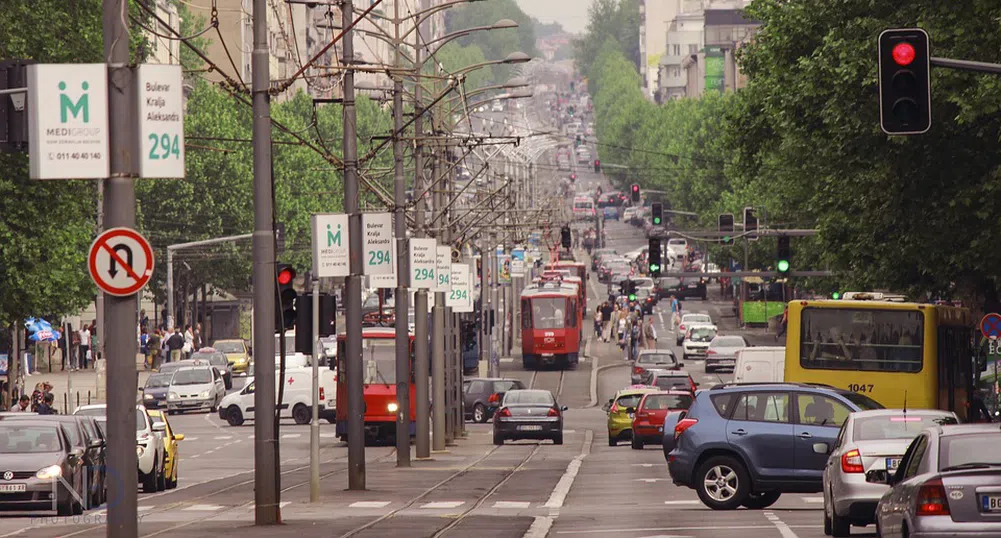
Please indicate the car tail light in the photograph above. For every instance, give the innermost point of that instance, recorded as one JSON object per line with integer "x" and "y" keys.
{"x": 505, "y": 412}
{"x": 638, "y": 370}
{"x": 851, "y": 462}
{"x": 693, "y": 385}
{"x": 494, "y": 398}
{"x": 710, "y": 352}
{"x": 931, "y": 499}
{"x": 323, "y": 395}
{"x": 683, "y": 425}
{"x": 681, "y": 328}
{"x": 553, "y": 412}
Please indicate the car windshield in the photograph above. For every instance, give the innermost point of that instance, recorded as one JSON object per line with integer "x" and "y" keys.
{"x": 669, "y": 282}
{"x": 140, "y": 420}
{"x": 157, "y": 381}
{"x": 901, "y": 426}
{"x": 659, "y": 402}
{"x": 582, "y": 205}
{"x": 656, "y": 358}
{"x": 379, "y": 357}
{"x": 702, "y": 334}
{"x": 528, "y": 397}
{"x": 968, "y": 449}
{"x": 643, "y": 282}
{"x": 92, "y": 411}
{"x": 28, "y": 439}
{"x": 229, "y": 347}
{"x": 548, "y": 313}
{"x": 729, "y": 341}
{"x": 192, "y": 376}
{"x": 102, "y": 424}
{"x": 169, "y": 368}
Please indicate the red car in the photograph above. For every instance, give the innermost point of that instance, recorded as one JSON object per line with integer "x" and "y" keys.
{"x": 648, "y": 422}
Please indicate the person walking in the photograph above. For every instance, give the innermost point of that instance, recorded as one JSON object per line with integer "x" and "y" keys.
{"x": 783, "y": 324}
{"x": 175, "y": 345}
{"x": 23, "y": 405}
{"x": 198, "y": 342}
{"x": 154, "y": 347}
{"x": 189, "y": 341}
{"x": 597, "y": 323}
{"x": 675, "y": 313}
{"x": 650, "y": 334}
{"x": 606, "y": 318}
{"x": 84, "y": 336}
{"x": 46, "y": 407}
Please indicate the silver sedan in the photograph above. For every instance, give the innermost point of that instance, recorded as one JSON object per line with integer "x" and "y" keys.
{"x": 722, "y": 352}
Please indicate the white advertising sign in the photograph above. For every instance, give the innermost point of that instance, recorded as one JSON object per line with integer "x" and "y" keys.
{"x": 443, "y": 282}
{"x": 423, "y": 263}
{"x": 331, "y": 250}
{"x": 161, "y": 121}
{"x": 68, "y": 121}
{"x": 384, "y": 281}
{"x": 379, "y": 254}
{"x": 460, "y": 298}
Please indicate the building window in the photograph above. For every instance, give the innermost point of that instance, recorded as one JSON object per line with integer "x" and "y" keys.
{"x": 677, "y": 50}
{"x": 693, "y": 48}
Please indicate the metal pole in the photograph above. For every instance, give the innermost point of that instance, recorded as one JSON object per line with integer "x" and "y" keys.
{"x": 99, "y": 303}
{"x": 484, "y": 276}
{"x": 69, "y": 364}
{"x": 120, "y": 312}
{"x": 314, "y": 425}
{"x": 403, "y": 372}
{"x": 170, "y": 289}
{"x": 422, "y": 361}
{"x": 442, "y": 426}
{"x": 493, "y": 367}
{"x": 265, "y": 464}
{"x": 352, "y": 284}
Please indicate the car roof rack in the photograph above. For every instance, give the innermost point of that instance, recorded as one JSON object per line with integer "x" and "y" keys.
{"x": 770, "y": 383}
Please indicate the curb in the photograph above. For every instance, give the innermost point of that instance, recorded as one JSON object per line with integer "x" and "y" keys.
{"x": 595, "y": 370}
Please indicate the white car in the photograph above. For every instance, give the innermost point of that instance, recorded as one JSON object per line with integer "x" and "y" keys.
{"x": 149, "y": 445}
{"x": 195, "y": 388}
{"x": 696, "y": 341}
{"x": 677, "y": 248}
{"x": 628, "y": 213}
{"x": 689, "y": 319}
{"x": 497, "y": 107}
{"x": 238, "y": 407}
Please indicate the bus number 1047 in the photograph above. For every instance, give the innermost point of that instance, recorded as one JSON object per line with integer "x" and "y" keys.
{"x": 859, "y": 388}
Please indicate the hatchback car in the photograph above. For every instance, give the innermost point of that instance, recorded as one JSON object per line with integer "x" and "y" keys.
{"x": 217, "y": 359}
{"x": 236, "y": 352}
{"x": 696, "y": 341}
{"x": 529, "y": 414}
{"x": 170, "y": 452}
{"x": 722, "y": 352}
{"x": 621, "y": 409}
{"x": 653, "y": 359}
{"x": 155, "y": 390}
{"x": 648, "y": 424}
{"x": 195, "y": 388}
{"x": 869, "y": 442}
{"x": 745, "y": 445}
{"x": 687, "y": 320}
{"x": 481, "y": 397}
{"x": 948, "y": 484}
{"x": 671, "y": 380}
{"x": 42, "y": 470}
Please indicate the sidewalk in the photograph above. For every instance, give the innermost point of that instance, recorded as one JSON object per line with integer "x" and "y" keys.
{"x": 76, "y": 388}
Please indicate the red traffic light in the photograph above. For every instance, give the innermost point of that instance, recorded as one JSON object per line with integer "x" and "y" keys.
{"x": 636, "y": 188}
{"x": 597, "y": 162}
{"x": 285, "y": 276}
{"x": 903, "y": 53}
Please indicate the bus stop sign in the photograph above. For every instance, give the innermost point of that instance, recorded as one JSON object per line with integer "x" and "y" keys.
{"x": 990, "y": 326}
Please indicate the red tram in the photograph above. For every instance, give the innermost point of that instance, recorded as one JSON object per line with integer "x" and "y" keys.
{"x": 551, "y": 323}
{"x": 578, "y": 269}
{"x": 379, "y": 362}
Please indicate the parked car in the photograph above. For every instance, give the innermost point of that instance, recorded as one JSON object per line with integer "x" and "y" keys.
{"x": 217, "y": 359}
{"x": 760, "y": 365}
{"x": 620, "y": 409}
{"x": 39, "y": 457}
{"x": 155, "y": 390}
{"x": 600, "y": 253}
{"x": 869, "y": 442}
{"x": 696, "y": 340}
{"x": 653, "y": 359}
{"x": 481, "y": 397}
{"x": 745, "y": 445}
{"x": 150, "y": 452}
{"x": 195, "y": 388}
{"x": 677, "y": 248}
{"x": 529, "y": 414}
{"x": 648, "y": 424}
{"x": 948, "y": 484}
{"x": 170, "y": 452}
{"x": 690, "y": 319}
{"x": 722, "y": 352}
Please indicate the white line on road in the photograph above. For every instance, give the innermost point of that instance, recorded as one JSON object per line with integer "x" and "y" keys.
{"x": 291, "y": 435}
{"x": 784, "y": 529}
{"x": 650, "y": 480}
{"x": 369, "y": 504}
{"x": 190, "y": 438}
{"x": 643, "y": 464}
{"x": 682, "y": 502}
{"x": 669, "y": 529}
{"x": 562, "y": 489}
{"x": 222, "y": 437}
{"x": 328, "y": 435}
{"x": 813, "y": 499}
{"x": 283, "y": 504}
{"x": 438, "y": 505}
{"x": 202, "y": 508}
{"x": 512, "y": 504}
{"x": 507, "y": 359}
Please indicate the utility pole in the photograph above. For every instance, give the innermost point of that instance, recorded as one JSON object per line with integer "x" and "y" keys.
{"x": 99, "y": 302}
{"x": 314, "y": 424}
{"x": 442, "y": 428}
{"x": 400, "y": 201}
{"x": 422, "y": 361}
{"x": 120, "y": 312}
{"x": 352, "y": 284}
{"x": 265, "y": 449}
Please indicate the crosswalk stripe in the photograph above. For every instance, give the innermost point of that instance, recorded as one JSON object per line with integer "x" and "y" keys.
{"x": 223, "y": 437}
{"x": 813, "y": 499}
{"x": 369, "y": 504}
{"x": 508, "y": 359}
{"x": 291, "y": 435}
{"x": 202, "y": 508}
{"x": 682, "y": 502}
{"x": 512, "y": 504}
{"x": 442, "y": 504}
{"x": 190, "y": 438}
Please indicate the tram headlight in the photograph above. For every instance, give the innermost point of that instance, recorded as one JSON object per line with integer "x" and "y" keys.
{"x": 392, "y": 407}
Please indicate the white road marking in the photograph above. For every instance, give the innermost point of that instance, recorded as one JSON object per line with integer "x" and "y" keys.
{"x": 813, "y": 499}
{"x": 291, "y": 435}
{"x": 283, "y": 504}
{"x": 540, "y": 527}
{"x": 512, "y": 504}
{"x": 683, "y": 502}
{"x": 650, "y": 480}
{"x": 328, "y": 435}
{"x": 507, "y": 359}
{"x": 369, "y": 504}
{"x": 784, "y": 529}
{"x": 569, "y": 431}
{"x": 222, "y": 437}
{"x": 202, "y": 508}
{"x": 643, "y": 464}
{"x": 190, "y": 438}
{"x": 438, "y": 505}
{"x": 671, "y": 529}
{"x": 562, "y": 489}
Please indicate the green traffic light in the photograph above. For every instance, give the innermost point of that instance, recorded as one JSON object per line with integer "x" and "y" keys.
{"x": 783, "y": 266}
{"x": 654, "y": 267}
{"x": 632, "y": 297}
{"x": 835, "y": 295}
{"x": 656, "y": 221}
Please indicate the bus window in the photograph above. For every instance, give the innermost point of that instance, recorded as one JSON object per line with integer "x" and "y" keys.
{"x": 862, "y": 339}
{"x": 548, "y": 313}
{"x": 526, "y": 314}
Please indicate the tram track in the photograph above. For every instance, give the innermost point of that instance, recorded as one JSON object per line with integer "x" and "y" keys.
{"x": 551, "y": 380}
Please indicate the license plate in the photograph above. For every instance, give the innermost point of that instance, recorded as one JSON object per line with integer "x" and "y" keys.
{"x": 892, "y": 464}
{"x": 530, "y": 428}
{"x": 548, "y": 355}
{"x": 992, "y": 503}
{"x": 13, "y": 488}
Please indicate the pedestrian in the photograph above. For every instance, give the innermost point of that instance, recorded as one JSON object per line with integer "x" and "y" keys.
{"x": 175, "y": 345}
{"x": 189, "y": 341}
{"x": 623, "y": 325}
{"x": 155, "y": 347}
{"x": 650, "y": 334}
{"x": 597, "y": 323}
{"x": 198, "y": 342}
{"x": 143, "y": 320}
{"x": 635, "y": 337}
{"x": 23, "y": 405}
{"x": 675, "y": 313}
{"x": 606, "y": 317}
{"x": 84, "y": 351}
{"x": 783, "y": 324}
{"x": 978, "y": 408}
{"x": 144, "y": 344}
{"x": 93, "y": 355}
{"x": 47, "y": 407}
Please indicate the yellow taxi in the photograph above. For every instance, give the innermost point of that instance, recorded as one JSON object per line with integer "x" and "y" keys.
{"x": 236, "y": 353}
{"x": 620, "y": 411}
{"x": 170, "y": 440}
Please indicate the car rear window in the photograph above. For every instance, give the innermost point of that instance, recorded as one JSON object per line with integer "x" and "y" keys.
{"x": 657, "y": 358}
{"x": 729, "y": 341}
{"x": 667, "y": 401}
{"x": 896, "y": 426}
{"x": 722, "y": 403}
{"x": 629, "y": 400}
{"x": 980, "y": 447}
{"x": 668, "y": 383}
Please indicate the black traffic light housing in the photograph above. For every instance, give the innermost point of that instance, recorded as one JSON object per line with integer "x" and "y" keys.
{"x": 304, "y": 320}
{"x": 13, "y": 107}
{"x": 577, "y": 141}
{"x": 597, "y": 166}
{"x": 725, "y": 226}
{"x": 750, "y": 224}
{"x": 657, "y": 213}
{"x": 904, "y": 81}
{"x": 565, "y": 237}
{"x": 654, "y": 257}
{"x": 573, "y": 178}
{"x": 634, "y": 192}
{"x": 783, "y": 256}
{"x": 285, "y": 296}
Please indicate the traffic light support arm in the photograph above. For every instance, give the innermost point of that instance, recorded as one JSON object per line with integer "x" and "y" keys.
{"x": 745, "y": 274}
{"x": 966, "y": 65}
{"x": 760, "y": 232}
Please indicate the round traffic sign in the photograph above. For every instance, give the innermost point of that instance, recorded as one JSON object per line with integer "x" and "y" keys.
{"x": 990, "y": 326}
{"x": 120, "y": 261}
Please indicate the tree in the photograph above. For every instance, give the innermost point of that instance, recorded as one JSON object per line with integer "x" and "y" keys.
{"x": 495, "y": 44}
{"x": 616, "y": 20}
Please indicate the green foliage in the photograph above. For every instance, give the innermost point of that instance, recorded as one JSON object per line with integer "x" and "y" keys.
{"x": 495, "y": 44}
{"x": 615, "y": 20}
{"x": 454, "y": 57}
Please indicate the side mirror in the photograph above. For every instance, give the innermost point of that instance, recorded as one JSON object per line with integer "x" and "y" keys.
{"x": 159, "y": 426}
{"x": 630, "y": 410}
{"x": 606, "y": 407}
{"x": 75, "y": 456}
{"x": 565, "y": 408}
{"x": 681, "y": 365}
{"x": 821, "y": 448}
{"x": 178, "y": 436}
{"x": 95, "y": 443}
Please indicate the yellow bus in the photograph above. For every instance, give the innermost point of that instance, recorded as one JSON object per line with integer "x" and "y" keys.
{"x": 897, "y": 353}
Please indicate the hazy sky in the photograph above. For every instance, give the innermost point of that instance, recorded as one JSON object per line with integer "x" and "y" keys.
{"x": 572, "y": 14}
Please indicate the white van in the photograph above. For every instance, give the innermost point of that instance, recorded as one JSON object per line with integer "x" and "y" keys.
{"x": 238, "y": 407}
{"x": 760, "y": 365}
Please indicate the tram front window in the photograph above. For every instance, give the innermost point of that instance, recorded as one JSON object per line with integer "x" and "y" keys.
{"x": 548, "y": 313}
{"x": 379, "y": 359}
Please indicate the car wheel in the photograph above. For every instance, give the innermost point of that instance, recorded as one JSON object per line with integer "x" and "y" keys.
{"x": 498, "y": 439}
{"x": 479, "y": 413}
{"x": 171, "y": 412}
{"x": 234, "y": 416}
{"x": 227, "y": 382}
{"x": 636, "y": 442}
{"x": 161, "y": 480}
{"x": 722, "y": 483}
{"x": 840, "y": 526}
{"x": 684, "y": 357}
{"x": 612, "y": 441}
{"x": 149, "y": 481}
{"x": 558, "y": 439}
{"x": 827, "y": 524}
{"x": 301, "y": 414}
{"x": 710, "y": 369}
{"x": 757, "y": 501}
{"x": 172, "y": 481}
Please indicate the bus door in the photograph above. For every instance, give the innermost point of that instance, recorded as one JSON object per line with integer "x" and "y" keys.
{"x": 956, "y": 359}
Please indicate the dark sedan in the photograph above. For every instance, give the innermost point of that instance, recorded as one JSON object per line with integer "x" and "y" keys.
{"x": 482, "y": 396}
{"x": 529, "y": 414}
{"x": 42, "y": 470}
{"x": 155, "y": 390}
{"x": 689, "y": 288}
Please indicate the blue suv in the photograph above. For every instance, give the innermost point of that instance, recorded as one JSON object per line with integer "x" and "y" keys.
{"x": 746, "y": 444}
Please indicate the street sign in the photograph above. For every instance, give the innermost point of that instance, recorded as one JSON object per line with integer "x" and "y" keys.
{"x": 518, "y": 262}
{"x": 990, "y": 326}
{"x": 384, "y": 281}
{"x": 423, "y": 263}
{"x": 161, "y": 120}
{"x": 460, "y": 298}
{"x": 378, "y": 242}
{"x": 331, "y": 251}
{"x": 68, "y": 121}
{"x": 443, "y": 266}
{"x": 120, "y": 262}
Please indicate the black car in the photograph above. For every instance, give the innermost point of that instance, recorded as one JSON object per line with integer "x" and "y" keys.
{"x": 155, "y": 390}
{"x": 40, "y": 459}
{"x": 529, "y": 414}
{"x": 681, "y": 288}
{"x": 482, "y": 396}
